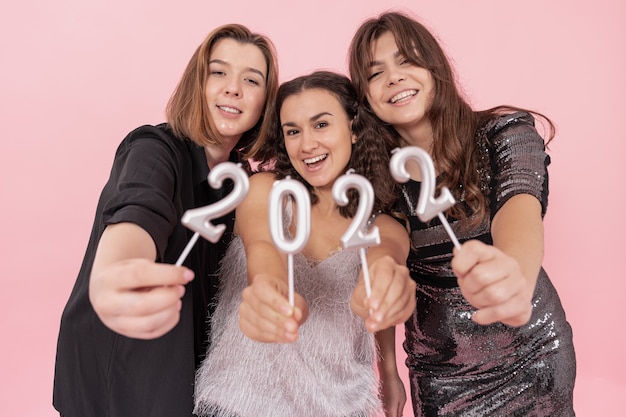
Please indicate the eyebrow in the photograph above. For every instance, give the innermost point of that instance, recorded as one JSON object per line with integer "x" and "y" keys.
{"x": 250, "y": 69}
{"x": 311, "y": 119}
{"x": 395, "y": 55}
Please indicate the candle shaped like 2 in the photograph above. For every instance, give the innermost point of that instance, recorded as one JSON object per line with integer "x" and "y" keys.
{"x": 427, "y": 206}
{"x": 357, "y": 235}
{"x": 199, "y": 219}
{"x": 280, "y": 190}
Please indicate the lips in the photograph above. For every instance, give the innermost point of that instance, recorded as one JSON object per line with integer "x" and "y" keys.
{"x": 403, "y": 95}
{"x": 315, "y": 159}
{"x": 229, "y": 109}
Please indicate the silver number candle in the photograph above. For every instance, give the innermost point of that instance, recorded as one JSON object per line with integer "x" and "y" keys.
{"x": 357, "y": 235}
{"x": 427, "y": 206}
{"x": 199, "y": 219}
{"x": 281, "y": 190}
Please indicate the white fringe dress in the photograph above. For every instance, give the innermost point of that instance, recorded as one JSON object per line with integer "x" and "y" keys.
{"x": 327, "y": 372}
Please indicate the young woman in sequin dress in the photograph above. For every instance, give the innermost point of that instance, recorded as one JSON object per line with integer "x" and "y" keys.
{"x": 489, "y": 336}
{"x": 317, "y": 358}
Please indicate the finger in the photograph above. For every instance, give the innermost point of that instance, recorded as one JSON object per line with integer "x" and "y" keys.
{"x": 300, "y": 309}
{"x": 261, "y": 329}
{"x": 485, "y": 274}
{"x": 270, "y": 291}
{"x": 148, "y": 274}
{"x": 511, "y": 313}
{"x": 399, "y": 300}
{"x": 471, "y": 253}
{"x": 151, "y": 326}
{"x": 263, "y": 318}
{"x": 487, "y": 296}
{"x": 399, "y": 294}
{"x": 145, "y": 302}
{"x": 493, "y": 284}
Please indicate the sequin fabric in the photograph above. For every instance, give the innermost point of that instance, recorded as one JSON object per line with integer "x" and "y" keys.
{"x": 460, "y": 368}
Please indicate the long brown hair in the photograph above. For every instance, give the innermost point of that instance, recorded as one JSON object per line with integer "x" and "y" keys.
{"x": 455, "y": 151}
{"x": 187, "y": 110}
{"x": 370, "y": 152}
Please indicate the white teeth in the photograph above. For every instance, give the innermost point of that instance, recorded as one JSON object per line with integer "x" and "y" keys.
{"x": 229, "y": 109}
{"x": 315, "y": 159}
{"x": 404, "y": 94}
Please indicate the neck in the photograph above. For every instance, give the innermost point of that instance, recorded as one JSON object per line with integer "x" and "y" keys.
{"x": 325, "y": 205}
{"x": 420, "y": 135}
{"x": 216, "y": 155}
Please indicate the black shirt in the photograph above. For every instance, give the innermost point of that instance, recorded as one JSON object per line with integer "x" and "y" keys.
{"x": 155, "y": 178}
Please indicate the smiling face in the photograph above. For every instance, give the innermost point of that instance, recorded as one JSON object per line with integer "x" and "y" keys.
{"x": 235, "y": 88}
{"x": 399, "y": 92}
{"x": 318, "y": 136}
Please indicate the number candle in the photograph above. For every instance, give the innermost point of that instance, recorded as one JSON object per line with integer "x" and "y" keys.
{"x": 199, "y": 219}
{"x": 280, "y": 190}
{"x": 357, "y": 235}
{"x": 427, "y": 206}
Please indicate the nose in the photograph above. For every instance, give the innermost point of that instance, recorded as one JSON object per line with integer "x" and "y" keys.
{"x": 394, "y": 76}
{"x": 233, "y": 88}
{"x": 308, "y": 143}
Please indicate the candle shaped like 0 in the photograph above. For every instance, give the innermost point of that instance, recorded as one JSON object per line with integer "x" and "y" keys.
{"x": 280, "y": 190}
{"x": 199, "y": 219}
{"x": 357, "y": 235}
{"x": 427, "y": 205}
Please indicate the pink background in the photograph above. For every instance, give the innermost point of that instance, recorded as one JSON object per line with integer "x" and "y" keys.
{"x": 76, "y": 76}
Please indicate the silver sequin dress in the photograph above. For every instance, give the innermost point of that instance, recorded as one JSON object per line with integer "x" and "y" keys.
{"x": 460, "y": 368}
{"x": 328, "y": 372}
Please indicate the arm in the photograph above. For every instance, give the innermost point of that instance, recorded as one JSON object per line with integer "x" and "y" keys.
{"x": 265, "y": 314}
{"x": 500, "y": 280}
{"x": 392, "y": 299}
{"x": 393, "y": 394}
{"x": 129, "y": 292}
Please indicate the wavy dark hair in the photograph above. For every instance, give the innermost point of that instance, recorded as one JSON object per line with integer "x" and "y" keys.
{"x": 370, "y": 152}
{"x": 455, "y": 124}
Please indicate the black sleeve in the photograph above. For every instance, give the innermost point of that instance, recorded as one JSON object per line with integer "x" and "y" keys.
{"x": 142, "y": 185}
{"x": 518, "y": 161}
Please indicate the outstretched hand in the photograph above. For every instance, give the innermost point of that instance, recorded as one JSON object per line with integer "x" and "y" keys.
{"x": 392, "y": 299}
{"x": 139, "y": 298}
{"x": 492, "y": 281}
{"x": 265, "y": 314}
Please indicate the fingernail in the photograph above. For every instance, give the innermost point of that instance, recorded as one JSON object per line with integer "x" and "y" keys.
{"x": 287, "y": 310}
{"x": 291, "y": 327}
{"x": 188, "y": 275}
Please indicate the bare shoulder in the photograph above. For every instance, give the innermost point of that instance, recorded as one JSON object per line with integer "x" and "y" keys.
{"x": 388, "y": 224}
{"x": 262, "y": 178}
{"x": 261, "y": 184}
